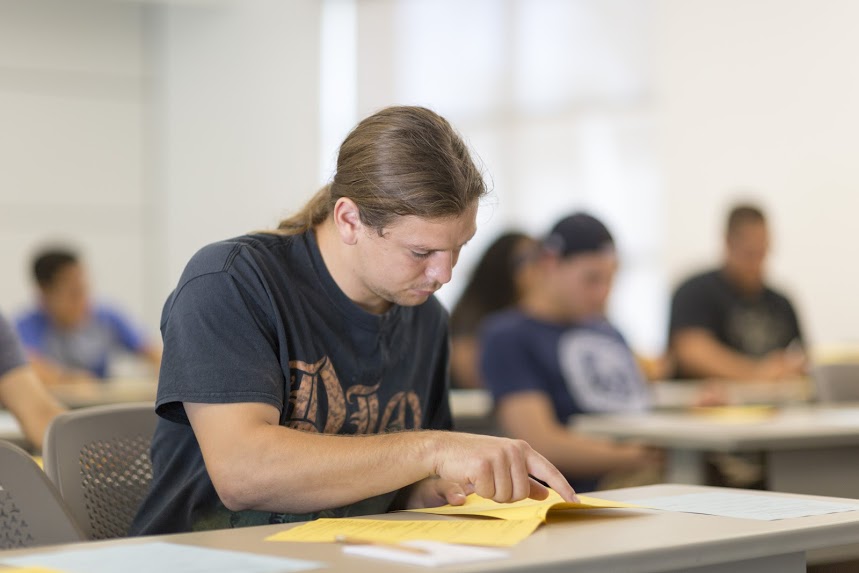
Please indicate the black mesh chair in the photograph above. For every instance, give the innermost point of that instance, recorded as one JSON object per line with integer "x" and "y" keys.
{"x": 31, "y": 511}
{"x": 99, "y": 460}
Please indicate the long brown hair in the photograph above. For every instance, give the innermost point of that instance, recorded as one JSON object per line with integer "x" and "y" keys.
{"x": 400, "y": 161}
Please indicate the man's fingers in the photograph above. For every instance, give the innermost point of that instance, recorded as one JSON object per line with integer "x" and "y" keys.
{"x": 537, "y": 490}
{"x": 539, "y": 467}
{"x": 452, "y": 492}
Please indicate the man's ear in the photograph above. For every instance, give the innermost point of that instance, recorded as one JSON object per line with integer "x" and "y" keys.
{"x": 347, "y": 219}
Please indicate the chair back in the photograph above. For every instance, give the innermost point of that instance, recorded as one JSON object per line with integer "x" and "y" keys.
{"x": 98, "y": 458}
{"x": 836, "y": 381}
{"x": 31, "y": 510}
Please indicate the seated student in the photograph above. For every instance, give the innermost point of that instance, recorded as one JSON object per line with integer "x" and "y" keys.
{"x": 728, "y": 323}
{"x": 496, "y": 283}
{"x": 21, "y": 392}
{"x": 68, "y": 338}
{"x": 297, "y": 363}
{"x": 555, "y": 355}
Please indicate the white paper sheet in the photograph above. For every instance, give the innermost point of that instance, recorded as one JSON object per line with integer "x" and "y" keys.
{"x": 438, "y": 553}
{"x": 745, "y": 506}
{"x": 160, "y": 557}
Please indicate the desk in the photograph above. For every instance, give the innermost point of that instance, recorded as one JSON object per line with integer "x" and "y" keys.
{"x": 119, "y": 391}
{"x": 673, "y": 394}
{"x": 632, "y": 541}
{"x": 811, "y": 449}
{"x": 10, "y": 431}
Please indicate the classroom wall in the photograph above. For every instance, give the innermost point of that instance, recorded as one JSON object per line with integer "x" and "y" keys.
{"x": 145, "y": 130}
{"x": 237, "y": 118}
{"x": 761, "y": 95}
{"x": 72, "y": 85}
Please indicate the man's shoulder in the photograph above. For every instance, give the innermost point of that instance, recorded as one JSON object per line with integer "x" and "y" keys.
{"x": 701, "y": 281}
{"x": 777, "y": 296}
{"x": 32, "y": 319}
{"x": 507, "y": 323}
{"x": 228, "y": 254}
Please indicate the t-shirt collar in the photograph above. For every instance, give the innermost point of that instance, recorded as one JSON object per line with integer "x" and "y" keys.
{"x": 347, "y": 306}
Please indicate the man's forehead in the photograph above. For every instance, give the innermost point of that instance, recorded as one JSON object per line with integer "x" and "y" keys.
{"x": 433, "y": 234}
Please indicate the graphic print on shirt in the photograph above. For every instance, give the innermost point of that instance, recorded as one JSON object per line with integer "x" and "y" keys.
{"x": 756, "y": 331}
{"x": 317, "y": 403}
{"x": 601, "y": 373}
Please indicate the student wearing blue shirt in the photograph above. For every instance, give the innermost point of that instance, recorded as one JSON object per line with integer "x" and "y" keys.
{"x": 555, "y": 356}
{"x": 68, "y": 338}
{"x": 21, "y": 392}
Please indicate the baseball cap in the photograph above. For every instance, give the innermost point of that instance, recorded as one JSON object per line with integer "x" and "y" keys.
{"x": 576, "y": 234}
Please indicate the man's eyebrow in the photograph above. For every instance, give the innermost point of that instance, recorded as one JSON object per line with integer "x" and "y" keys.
{"x": 423, "y": 248}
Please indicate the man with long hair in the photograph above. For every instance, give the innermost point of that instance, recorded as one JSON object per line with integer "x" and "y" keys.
{"x": 298, "y": 364}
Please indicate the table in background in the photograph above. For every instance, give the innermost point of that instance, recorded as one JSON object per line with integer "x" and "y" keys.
{"x": 629, "y": 540}
{"x": 808, "y": 449}
{"x": 112, "y": 391}
{"x": 10, "y": 430}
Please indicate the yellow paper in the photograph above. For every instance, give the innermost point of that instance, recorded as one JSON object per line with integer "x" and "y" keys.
{"x": 736, "y": 414}
{"x": 492, "y": 532}
{"x": 28, "y": 570}
{"x": 523, "y": 509}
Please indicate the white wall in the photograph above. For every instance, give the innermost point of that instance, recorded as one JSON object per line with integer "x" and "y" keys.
{"x": 71, "y": 142}
{"x": 238, "y": 120}
{"x": 762, "y": 95}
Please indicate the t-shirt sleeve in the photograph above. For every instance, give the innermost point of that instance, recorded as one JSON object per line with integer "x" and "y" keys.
{"x": 220, "y": 346}
{"x": 505, "y": 363}
{"x": 441, "y": 418}
{"x": 11, "y": 353}
{"x": 692, "y": 307}
{"x": 129, "y": 336}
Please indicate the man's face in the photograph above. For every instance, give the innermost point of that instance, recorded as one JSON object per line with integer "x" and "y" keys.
{"x": 66, "y": 299}
{"x": 413, "y": 258}
{"x": 746, "y": 254}
{"x": 583, "y": 283}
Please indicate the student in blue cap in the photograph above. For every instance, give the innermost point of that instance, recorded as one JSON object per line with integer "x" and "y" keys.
{"x": 555, "y": 355}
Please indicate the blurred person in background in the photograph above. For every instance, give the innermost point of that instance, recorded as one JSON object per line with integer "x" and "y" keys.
{"x": 555, "y": 355}
{"x": 21, "y": 392}
{"x": 68, "y": 338}
{"x": 497, "y": 283}
{"x": 728, "y": 323}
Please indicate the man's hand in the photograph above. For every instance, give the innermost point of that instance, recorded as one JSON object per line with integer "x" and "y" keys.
{"x": 497, "y": 468}
{"x": 435, "y": 492}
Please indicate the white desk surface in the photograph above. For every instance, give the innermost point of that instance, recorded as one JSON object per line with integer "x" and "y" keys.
{"x": 10, "y": 431}
{"x": 628, "y": 540}
{"x": 790, "y": 428}
{"x": 669, "y": 394}
{"x": 119, "y": 391}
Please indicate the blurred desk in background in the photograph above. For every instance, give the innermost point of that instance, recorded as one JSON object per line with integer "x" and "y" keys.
{"x": 674, "y": 394}
{"x": 807, "y": 449}
{"x": 115, "y": 391}
{"x": 10, "y": 431}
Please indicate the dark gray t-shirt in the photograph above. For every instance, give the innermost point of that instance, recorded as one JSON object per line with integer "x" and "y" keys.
{"x": 11, "y": 354}
{"x": 751, "y": 325}
{"x": 260, "y": 319}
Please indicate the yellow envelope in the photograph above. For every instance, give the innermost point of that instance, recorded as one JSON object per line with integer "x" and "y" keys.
{"x": 491, "y": 532}
{"x": 523, "y": 509}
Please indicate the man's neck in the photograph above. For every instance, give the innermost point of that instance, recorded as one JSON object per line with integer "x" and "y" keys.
{"x": 541, "y": 306}
{"x": 341, "y": 267}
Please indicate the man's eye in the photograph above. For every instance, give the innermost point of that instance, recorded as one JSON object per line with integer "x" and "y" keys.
{"x": 420, "y": 255}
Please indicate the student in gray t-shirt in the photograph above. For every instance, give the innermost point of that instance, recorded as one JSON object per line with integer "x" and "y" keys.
{"x": 21, "y": 392}
{"x": 300, "y": 363}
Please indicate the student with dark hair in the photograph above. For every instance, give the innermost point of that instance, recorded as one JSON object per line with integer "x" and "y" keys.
{"x": 21, "y": 392}
{"x": 298, "y": 363}
{"x": 728, "y": 323}
{"x": 68, "y": 338}
{"x": 496, "y": 283}
{"x": 555, "y": 355}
